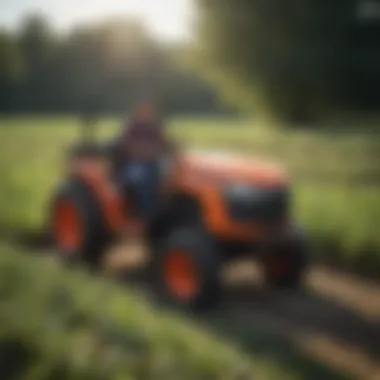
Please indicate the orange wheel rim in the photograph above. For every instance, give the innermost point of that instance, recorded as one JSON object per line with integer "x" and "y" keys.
{"x": 180, "y": 274}
{"x": 67, "y": 225}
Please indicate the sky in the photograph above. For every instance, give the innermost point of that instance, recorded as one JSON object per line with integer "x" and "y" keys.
{"x": 168, "y": 19}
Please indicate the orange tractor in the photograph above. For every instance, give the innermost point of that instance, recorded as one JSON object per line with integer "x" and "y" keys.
{"x": 213, "y": 208}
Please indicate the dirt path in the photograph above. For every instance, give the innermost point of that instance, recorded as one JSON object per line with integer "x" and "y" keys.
{"x": 336, "y": 320}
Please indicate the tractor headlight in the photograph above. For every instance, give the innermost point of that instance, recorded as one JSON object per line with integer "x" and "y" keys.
{"x": 243, "y": 192}
{"x": 246, "y": 202}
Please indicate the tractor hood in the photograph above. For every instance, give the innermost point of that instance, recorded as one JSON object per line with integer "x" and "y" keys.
{"x": 226, "y": 167}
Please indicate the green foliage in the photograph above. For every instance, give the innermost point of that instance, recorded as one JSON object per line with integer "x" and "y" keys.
{"x": 293, "y": 60}
{"x": 100, "y": 68}
{"x": 343, "y": 224}
{"x": 336, "y": 176}
{"x": 11, "y": 69}
{"x": 61, "y": 324}
{"x": 10, "y": 60}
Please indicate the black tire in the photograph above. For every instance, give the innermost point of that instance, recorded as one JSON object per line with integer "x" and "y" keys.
{"x": 203, "y": 254}
{"x": 295, "y": 250}
{"x": 96, "y": 237}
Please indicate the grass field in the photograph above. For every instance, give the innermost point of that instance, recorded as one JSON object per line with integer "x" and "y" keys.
{"x": 66, "y": 329}
{"x": 68, "y": 335}
{"x": 336, "y": 176}
{"x": 54, "y": 327}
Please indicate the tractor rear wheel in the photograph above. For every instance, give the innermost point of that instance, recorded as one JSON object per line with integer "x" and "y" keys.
{"x": 185, "y": 269}
{"x": 286, "y": 265}
{"x": 77, "y": 225}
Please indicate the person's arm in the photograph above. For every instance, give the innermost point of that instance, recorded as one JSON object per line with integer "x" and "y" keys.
{"x": 127, "y": 137}
{"x": 124, "y": 132}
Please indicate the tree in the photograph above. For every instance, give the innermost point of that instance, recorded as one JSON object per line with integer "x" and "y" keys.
{"x": 11, "y": 70}
{"x": 290, "y": 59}
{"x": 38, "y": 50}
{"x": 96, "y": 68}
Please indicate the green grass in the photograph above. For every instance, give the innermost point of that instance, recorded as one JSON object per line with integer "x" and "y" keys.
{"x": 54, "y": 327}
{"x": 336, "y": 175}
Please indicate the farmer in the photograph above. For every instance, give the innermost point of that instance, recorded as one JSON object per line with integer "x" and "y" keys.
{"x": 143, "y": 141}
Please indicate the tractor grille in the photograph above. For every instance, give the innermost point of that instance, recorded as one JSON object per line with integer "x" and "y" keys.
{"x": 266, "y": 205}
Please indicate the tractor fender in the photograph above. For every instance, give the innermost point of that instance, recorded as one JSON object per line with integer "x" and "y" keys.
{"x": 95, "y": 175}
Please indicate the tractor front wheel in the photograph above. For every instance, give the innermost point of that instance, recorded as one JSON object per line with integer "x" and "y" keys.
{"x": 185, "y": 269}
{"x": 285, "y": 265}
